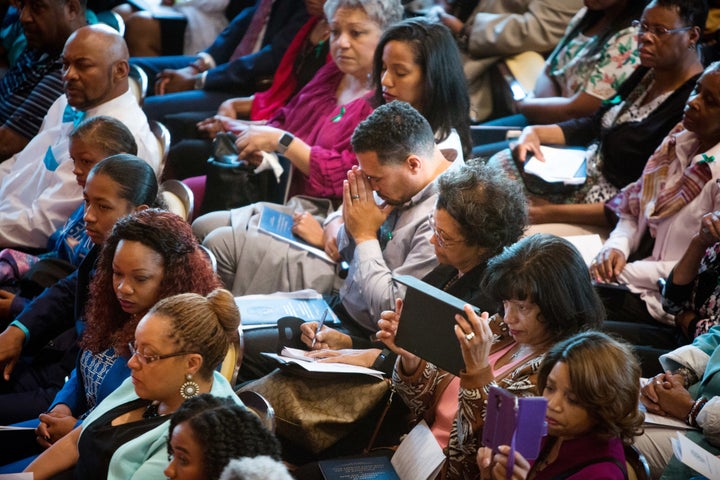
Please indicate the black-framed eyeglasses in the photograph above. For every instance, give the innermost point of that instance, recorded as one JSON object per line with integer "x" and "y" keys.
{"x": 439, "y": 236}
{"x": 146, "y": 359}
{"x": 656, "y": 30}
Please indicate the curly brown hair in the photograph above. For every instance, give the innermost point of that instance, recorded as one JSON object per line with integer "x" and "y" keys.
{"x": 605, "y": 378}
{"x": 186, "y": 270}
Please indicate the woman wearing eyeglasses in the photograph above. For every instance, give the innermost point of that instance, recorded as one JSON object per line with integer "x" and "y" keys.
{"x": 149, "y": 255}
{"x": 623, "y": 134}
{"x": 478, "y": 213}
{"x": 177, "y": 346}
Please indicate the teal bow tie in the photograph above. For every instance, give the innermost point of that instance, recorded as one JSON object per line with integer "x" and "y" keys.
{"x": 72, "y": 115}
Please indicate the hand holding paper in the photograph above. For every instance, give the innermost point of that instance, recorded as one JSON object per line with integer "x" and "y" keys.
{"x": 559, "y": 165}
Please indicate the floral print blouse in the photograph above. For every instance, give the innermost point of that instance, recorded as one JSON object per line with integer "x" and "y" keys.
{"x": 598, "y": 74}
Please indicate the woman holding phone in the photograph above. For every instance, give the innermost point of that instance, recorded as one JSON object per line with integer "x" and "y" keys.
{"x": 588, "y": 424}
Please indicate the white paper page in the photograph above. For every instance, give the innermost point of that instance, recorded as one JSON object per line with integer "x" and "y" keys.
{"x": 560, "y": 165}
{"x": 324, "y": 367}
{"x": 696, "y": 457}
{"x": 297, "y": 354}
{"x": 588, "y": 245}
{"x": 419, "y": 456}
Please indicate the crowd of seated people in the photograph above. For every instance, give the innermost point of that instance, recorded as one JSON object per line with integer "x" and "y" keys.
{"x": 115, "y": 320}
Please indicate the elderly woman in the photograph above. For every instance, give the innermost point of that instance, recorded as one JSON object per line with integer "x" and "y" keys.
{"x": 478, "y": 213}
{"x": 414, "y": 62}
{"x": 677, "y": 187}
{"x": 545, "y": 290}
{"x": 177, "y": 347}
{"x": 313, "y": 130}
{"x": 623, "y": 134}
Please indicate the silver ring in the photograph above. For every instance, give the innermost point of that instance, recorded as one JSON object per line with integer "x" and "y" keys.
{"x": 355, "y": 197}
{"x": 469, "y": 336}
{"x": 658, "y": 382}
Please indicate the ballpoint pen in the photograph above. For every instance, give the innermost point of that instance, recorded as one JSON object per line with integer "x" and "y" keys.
{"x": 319, "y": 327}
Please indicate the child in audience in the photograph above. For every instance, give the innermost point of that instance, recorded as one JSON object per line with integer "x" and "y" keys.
{"x": 91, "y": 141}
{"x": 38, "y": 349}
{"x": 207, "y": 432}
{"x": 591, "y": 383}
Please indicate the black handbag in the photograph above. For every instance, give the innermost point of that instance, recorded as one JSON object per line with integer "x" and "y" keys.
{"x": 232, "y": 183}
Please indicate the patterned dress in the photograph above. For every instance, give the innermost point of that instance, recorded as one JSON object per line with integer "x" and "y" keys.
{"x": 422, "y": 390}
{"x": 700, "y": 296}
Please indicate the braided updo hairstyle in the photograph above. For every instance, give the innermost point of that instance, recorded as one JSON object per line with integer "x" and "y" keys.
{"x": 204, "y": 325}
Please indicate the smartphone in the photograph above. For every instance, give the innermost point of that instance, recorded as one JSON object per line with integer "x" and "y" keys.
{"x": 517, "y": 422}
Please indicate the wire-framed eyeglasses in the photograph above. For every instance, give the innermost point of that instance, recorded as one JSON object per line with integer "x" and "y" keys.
{"x": 146, "y": 359}
{"x": 439, "y": 235}
{"x": 656, "y": 30}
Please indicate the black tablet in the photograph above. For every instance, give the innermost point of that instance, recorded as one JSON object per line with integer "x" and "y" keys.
{"x": 427, "y": 324}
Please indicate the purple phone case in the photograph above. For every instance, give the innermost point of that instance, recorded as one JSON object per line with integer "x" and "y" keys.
{"x": 518, "y": 422}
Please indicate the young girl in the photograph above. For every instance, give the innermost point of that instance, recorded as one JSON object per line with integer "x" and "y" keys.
{"x": 592, "y": 385}
{"x": 91, "y": 141}
{"x": 206, "y": 432}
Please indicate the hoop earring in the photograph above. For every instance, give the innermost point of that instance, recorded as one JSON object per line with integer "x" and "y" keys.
{"x": 189, "y": 389}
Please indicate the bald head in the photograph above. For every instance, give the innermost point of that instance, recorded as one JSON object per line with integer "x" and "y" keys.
{"x": 95, "y": 66}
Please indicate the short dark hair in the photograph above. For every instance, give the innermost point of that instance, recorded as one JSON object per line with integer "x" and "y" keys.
{"x": 107, "y": 133}
{"x": 394, "y": 131}
{"x": 549, "y": 271}
{"x": 445, "y": 100}
{"x": 693, "y": 12}
{"x": 224, "y": 430}
{"x": 489, "y": 207}
{"x": 605, "y": 378}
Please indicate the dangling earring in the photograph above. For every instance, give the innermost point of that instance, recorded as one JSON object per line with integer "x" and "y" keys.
{"x": 692, "y": 46}
{"x": 189, "y": 389}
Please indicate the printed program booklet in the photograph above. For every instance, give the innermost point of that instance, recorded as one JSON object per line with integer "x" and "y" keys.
{"x": 279, "y": 225}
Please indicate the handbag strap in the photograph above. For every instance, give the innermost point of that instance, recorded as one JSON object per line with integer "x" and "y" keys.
{"x": 379, "y": 423}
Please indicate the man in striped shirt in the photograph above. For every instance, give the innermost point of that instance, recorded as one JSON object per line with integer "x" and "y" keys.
{"x": 29, "y": 88}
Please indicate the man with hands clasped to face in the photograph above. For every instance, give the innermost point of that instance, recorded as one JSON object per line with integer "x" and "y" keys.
{"x": 382, "y": 228}
{"x": 399, "y": 163}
